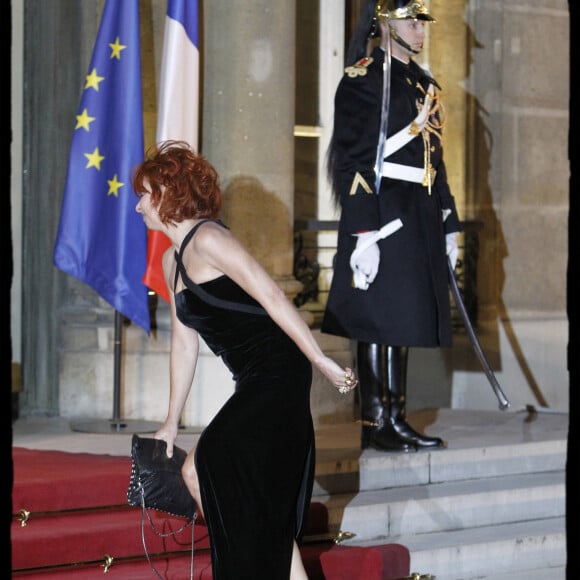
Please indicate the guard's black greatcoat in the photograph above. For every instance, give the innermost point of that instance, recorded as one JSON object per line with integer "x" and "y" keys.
{"x": 408, "y": 303}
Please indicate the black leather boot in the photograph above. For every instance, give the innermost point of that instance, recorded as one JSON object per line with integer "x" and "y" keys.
{"x": 378, "y": 427}
{"x": 396, "y": 371}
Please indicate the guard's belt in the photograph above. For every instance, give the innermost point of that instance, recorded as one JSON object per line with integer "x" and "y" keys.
{"x": 405, "y": 172}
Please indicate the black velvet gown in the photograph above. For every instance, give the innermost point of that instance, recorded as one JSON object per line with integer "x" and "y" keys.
{"x": 255, "y": 460}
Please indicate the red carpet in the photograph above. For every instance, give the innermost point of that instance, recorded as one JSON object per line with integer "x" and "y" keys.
{"x": 74, "y": 507}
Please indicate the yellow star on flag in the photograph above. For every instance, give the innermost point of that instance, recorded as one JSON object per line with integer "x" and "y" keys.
{"x": 114, "y": 186}
{"x": 116, "y": 48}
{"x": 84, "y": 121}
{"x": 94, "y": 158}
{"x": 93, "y": 80}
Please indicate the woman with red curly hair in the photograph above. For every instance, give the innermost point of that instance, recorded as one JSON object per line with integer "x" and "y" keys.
{"x": 253, "y": 466}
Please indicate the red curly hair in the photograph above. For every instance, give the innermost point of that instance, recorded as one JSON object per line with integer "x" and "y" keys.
{"x": 183, "y": 184}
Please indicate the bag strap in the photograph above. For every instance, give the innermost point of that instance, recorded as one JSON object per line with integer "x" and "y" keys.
{"x": 145, "y": 512}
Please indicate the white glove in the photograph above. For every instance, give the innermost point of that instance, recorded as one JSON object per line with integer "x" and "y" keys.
{"x": 452, "y": 248}
{"x": 365, "y": 265}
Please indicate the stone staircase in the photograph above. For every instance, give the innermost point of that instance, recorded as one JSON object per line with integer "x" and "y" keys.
{"x": 490, "y": 506}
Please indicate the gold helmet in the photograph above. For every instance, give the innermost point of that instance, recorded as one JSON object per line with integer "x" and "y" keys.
{"x": 402, "y": 9}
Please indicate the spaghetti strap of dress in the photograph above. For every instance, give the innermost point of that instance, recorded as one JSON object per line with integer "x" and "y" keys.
{"x": 189, "y": 235}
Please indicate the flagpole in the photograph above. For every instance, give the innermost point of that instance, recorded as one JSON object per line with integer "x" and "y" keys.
{"x": 116, "y": 424}
{"x": 117, "y": 367}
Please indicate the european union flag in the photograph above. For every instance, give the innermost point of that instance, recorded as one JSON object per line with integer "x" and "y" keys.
{"x": 101, "y": 239}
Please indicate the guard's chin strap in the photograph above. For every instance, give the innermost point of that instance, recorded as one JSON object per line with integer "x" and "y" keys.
{"x": 400, "y": 41}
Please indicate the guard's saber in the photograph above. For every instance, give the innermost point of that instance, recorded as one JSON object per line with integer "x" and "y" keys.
{"x": 503, "y": 401}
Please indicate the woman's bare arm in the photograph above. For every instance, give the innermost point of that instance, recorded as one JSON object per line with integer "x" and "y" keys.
{"x": 182, "y": 362}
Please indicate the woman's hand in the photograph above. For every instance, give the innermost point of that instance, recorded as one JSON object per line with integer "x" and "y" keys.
{"x": 168, "y": 433}
{"x": 342, "y": 378}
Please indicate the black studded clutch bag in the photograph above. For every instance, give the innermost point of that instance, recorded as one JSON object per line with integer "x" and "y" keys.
{"x": 156, "y": 481}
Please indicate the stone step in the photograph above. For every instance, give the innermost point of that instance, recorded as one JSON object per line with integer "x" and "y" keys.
{"x": 557, "y": 573}
{"x": 491, "y": 552}
{"x": 479, "y": 445}
{"x": 440, "y": 507}
{"x": 343, "y": 471}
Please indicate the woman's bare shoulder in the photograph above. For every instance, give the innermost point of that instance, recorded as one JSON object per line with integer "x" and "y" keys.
{"x": 211, "y": 233}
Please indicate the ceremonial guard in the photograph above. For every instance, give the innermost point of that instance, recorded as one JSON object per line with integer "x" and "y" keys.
{"x": 398, "y": 221}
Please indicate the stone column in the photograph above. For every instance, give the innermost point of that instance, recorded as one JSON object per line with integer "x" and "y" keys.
{"x": 447, "y": 59}
{"x": 248, "y": 124}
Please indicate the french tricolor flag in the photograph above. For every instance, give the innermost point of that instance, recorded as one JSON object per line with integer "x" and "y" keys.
{"x": 178, "y": 109}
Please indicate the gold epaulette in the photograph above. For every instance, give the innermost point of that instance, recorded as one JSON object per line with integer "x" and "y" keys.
{"x": 359, "y": 69}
